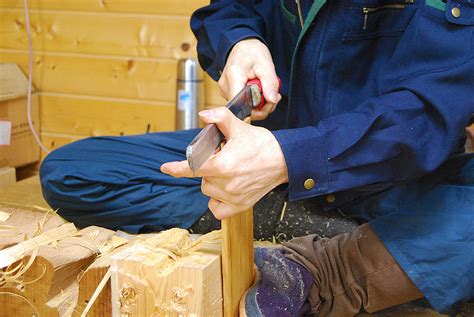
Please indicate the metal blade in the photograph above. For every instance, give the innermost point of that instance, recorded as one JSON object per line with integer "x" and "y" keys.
{"x": 203, "y": 146}
{"x": 210, "y": 138}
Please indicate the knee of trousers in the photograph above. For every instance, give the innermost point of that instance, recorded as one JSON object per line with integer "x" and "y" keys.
{"x": 67, "y": 178}
{"x": 352, "y": 271}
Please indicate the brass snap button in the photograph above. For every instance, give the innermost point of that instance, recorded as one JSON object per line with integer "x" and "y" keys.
{"x": 309, "y": 183}
{"x": 456, "y": 12}
{"x": 330, "y": 198}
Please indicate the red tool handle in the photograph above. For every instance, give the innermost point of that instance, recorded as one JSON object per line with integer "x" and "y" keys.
{"x": 257, "y": 82}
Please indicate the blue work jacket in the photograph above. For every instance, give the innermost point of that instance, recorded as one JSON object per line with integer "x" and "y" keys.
{"x": 375, "y": 93}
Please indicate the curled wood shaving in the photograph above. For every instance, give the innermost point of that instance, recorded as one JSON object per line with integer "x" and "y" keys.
{"x": 47, "y": 216}
{"x": 7, "y": 231}
{"x": 4, "y": 216}
{"x": 14, "y": 277}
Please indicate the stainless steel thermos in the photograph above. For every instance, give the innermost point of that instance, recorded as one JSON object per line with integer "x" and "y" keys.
{"x": 190, "y": 98}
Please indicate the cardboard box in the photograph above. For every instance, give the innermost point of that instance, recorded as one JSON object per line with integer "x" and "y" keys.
{"x": 17, "y": 144}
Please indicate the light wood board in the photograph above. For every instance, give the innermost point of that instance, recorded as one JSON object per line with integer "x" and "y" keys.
{"x": 164, "y": 7}
{"x": 237, "y": 259}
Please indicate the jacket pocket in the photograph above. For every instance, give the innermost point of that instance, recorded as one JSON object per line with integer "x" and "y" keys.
{"x": 435, "y": 40}
{"x": 384, "y": 18}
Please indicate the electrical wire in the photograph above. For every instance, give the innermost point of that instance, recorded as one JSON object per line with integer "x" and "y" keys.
{"x": 30, "y": 79}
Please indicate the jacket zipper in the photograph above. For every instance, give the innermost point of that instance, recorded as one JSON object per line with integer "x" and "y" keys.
{"x": 300, "y": 12}
{"x": 368, "y": 10}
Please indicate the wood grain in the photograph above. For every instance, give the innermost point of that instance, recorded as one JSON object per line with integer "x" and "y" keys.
{"x": 237, "y": 259}
{"x": 89, "y": 281}
{"x": 107, "y": 76}
{"x": 14, "y": 253}
{"x": 55, "y": 270}
{"x": 213, "y": 97}
{"x": 165, "y": 7}
{"x": 25, "y": 195}
{"x": 26, "y": 224}
{"x": 53, "y": 141}
{"x": 79, "y": 115}
{"x": 106, "y": 34}
{"x": 153, "y": 278}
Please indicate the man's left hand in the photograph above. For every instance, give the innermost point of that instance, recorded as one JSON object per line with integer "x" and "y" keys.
{"x": 250, "y": 164}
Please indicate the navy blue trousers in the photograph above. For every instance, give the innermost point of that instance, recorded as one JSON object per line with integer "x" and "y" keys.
{"x": 115, "y": 182}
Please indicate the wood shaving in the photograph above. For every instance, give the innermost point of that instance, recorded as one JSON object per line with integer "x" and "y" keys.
{"x": 4, "y": 216}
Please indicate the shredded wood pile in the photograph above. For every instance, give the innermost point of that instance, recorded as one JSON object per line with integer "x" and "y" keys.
{"x": 50, "y": 268}
{"x": 42, "y": 259}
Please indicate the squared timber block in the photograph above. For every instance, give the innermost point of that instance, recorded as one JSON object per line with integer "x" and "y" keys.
{"x": 162, "y": 277}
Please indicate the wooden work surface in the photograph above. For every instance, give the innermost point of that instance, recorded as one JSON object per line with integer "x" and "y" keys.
{"x": 25, "y": 195}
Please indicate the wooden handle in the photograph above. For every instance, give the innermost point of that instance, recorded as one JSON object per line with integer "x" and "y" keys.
{"x": 237, "y": 260}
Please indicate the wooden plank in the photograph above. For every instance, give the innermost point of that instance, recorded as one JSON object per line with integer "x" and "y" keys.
{"x": 237, "y": 259}
{"x": 53, "y": 141}
{"x": 125, "y": 35}
{"x": 168, "y": 7}
{"x": 77, "y": 115}
{"x": 107, "y": 76}
{"x": 158, "y": 278}
{"x": 213, "y": 98}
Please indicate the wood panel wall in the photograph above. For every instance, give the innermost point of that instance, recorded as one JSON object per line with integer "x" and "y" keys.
{"x": 102, "y": 67}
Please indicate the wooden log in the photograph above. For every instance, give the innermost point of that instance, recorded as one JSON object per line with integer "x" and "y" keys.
{"x": 22, "y": 225}
{"x": 49, "y": 286}
{"x": 164, "y": 276}
{"x": 17, "y": 252}
{"x": 237, "y": 259}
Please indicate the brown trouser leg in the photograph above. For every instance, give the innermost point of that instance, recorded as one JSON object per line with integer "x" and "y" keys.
{"x": 352, "y": 271}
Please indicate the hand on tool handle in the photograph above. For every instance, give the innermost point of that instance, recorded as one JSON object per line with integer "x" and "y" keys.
{"x": 250, "y": 164}
{"x": 250, "y": 59}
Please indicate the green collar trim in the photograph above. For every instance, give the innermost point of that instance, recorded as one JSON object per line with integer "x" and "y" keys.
{"x": 286, "y": 13}
{"x": 313, "y": 12}
{"x": 438, "y": 4}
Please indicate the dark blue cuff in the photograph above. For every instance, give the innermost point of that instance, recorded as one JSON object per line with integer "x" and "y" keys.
{"x": 227, "y": 42}
{"x": 306, "y": 160}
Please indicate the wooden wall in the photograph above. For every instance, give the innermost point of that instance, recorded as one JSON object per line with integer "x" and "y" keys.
{"x": 102, "y": 67}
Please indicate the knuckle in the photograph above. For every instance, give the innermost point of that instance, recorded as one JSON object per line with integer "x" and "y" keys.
{"x": 221, "y": 167}
{"x": 230, "y": 188}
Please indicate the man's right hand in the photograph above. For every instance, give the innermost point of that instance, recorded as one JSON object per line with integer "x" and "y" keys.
{"x": 247, "y": 60}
